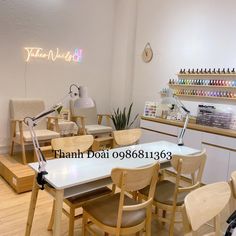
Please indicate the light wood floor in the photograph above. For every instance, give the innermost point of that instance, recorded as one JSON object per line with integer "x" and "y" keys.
{"x": 14, "y": 208}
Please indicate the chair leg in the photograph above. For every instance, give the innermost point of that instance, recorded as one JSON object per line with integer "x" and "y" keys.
{"x": 12, "y": 148}
{"x": 71, "y": 221}
{"x": 163, "y": 216}
{"x": 23, "y": 154}
{"x": 50, "y": 225}
{"x": 148, "y": 226}
{"x": 172, "y": 223}
{"x": 84, "y": 224}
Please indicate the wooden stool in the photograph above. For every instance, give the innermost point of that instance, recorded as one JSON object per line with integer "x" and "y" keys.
{"x": 102, "y": 143}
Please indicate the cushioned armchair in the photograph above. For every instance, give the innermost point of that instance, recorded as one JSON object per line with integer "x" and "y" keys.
{"x": 19, "y": 109}
{"x": 89, "y": 121}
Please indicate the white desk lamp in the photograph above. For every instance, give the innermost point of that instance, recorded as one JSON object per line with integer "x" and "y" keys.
{"x": 83, "y": 102}
{"x": 171, "y": 98}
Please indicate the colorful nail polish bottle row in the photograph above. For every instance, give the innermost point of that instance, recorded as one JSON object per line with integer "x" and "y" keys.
{"x": 208, "y": 71}
{"x": 226, "y": 83}
{"x": 194, "y": 92}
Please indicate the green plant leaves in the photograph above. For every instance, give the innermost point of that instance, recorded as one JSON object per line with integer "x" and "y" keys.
{"x": 121, "y": 119}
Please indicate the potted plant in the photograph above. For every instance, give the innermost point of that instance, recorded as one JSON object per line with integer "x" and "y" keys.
{"x": 121, "y": 118}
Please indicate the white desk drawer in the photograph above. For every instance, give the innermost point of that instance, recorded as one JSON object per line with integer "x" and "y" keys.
{"x": 163, "y": 128}
{"x": 219, "y": 140}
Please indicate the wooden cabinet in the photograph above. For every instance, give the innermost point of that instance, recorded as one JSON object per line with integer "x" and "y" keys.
{"x": 216, "y": 168}
{"x": 153, "y": 136}
{"x": 232, "y": 163}
{"x": 192, "y": 138}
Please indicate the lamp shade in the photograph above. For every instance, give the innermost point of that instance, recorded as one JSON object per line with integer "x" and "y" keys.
{"x": 84, "y": 101}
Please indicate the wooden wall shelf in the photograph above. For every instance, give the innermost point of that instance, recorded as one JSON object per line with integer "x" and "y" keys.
{"x": 196, "y": 85}
{"x": 197, "y": 96}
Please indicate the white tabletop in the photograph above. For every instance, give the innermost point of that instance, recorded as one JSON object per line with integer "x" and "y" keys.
{"x": 65, "y": 173}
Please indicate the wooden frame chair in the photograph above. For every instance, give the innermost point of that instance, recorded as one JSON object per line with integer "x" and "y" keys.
{"x": 126, "y": 137}
{"x": 20, "y": 108}
{"x": 72, "y": 145}
{"x": 170, "y": 196}
{"x": 203, "y": 205}
{"x": 233, "y": 189}
{"x": 89, "y": 121}
{"x": 119, "y": 214}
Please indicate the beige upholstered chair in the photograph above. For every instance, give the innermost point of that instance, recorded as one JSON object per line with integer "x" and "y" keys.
{"x": 203, "y": 205}
{"x": 126, "y": 137}
{"x": 19, "y": 109}
{"x": 89, "y": 121}
{"x": 72, "y": 145}
{"x": 120, "y": 214}
{"x": 233, "y": 188}
{"x": 170, "y": 196}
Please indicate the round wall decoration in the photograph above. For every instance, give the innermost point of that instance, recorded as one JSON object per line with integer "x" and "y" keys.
{"x": 147, "y": 54}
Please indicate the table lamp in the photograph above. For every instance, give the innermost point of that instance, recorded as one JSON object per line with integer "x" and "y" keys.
{"x": 171, "y": 98}
{"x": 84, "y": 102}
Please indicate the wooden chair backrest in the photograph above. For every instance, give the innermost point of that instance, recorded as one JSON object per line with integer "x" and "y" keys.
{"x": 73, "y": 144}
{"x": 133, "y": 180}
{"x": 233, "y": 183}
{"x": 126, "y": 137}
{"x": 204, "y": 204}
{"x": 190, "y": 165}
{"x": 23, "y": 107}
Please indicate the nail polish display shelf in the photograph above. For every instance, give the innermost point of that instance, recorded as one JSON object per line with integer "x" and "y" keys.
{"x": 206, "y": 74}
{"x": 198, "y": 96}
{"x": 198, "y": 85}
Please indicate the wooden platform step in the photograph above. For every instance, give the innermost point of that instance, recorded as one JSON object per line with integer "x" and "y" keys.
{"x": 19, "y": 176}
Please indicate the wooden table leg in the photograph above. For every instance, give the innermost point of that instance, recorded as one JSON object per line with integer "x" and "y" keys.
{"x": 58, "y": 212}
{"x": 33, "y": 202}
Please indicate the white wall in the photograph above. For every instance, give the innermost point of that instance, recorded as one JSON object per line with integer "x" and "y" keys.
{"x": 183, "y": 34}
{"x": 123, "y": 52}
{"x": 86, "y": 24}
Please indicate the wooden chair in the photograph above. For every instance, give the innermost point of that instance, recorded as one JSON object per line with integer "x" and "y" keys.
{"x": 233, "y": 189}
{"x": 89, "y": 122}
{"x": 126, "y": 137}
{"x": 203, "y": 205}
{"x": 170, "y": 196}
{"x": 119, "y": 214}
{"x": 21, "y": 108}
{"x": 72, "y": 145}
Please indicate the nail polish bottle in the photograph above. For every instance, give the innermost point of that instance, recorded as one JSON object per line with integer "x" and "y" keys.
{"x": 193, "y": 72}
{"x": 214, "y": 71}
{"x": 223, "y": 71}
{"x": 209, "y": 71}
{"x": 197, "y": 71}
{"x": 228, "y": 71}
{"x": 189, "y": 71}
{"x": 233, "y": 70}
{"x": 218, "y": 71}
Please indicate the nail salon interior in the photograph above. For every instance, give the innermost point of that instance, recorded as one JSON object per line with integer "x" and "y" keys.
{"x": 118, "y": 117}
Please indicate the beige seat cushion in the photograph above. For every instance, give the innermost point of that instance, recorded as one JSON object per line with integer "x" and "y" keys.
{"x": 97, "y": 129}
{"x": 106, "y": 211}
{"x": 43, "y": 134}
{"x": 165, "y": 192}
{"x": 79, "y": 199}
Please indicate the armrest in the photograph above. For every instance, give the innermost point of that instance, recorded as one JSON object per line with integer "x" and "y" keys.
{"x": 49, "y": 122}
{"x": 17, "y": 120}
{"x": 100, "y": 116}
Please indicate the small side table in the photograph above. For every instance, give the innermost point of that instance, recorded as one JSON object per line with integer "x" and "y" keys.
{"x": 102, "y": 143}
